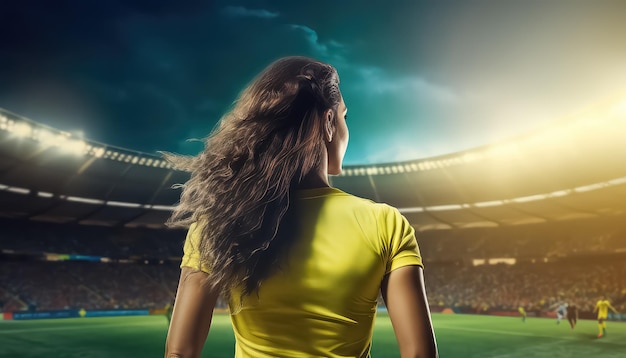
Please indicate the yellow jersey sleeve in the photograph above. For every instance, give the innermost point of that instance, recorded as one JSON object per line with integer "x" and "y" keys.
{"x": 191, "y": 250}
{"x": 400, "y": 239}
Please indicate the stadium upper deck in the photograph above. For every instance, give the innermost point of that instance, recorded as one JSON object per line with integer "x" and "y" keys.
{"x": 574, "y": 168}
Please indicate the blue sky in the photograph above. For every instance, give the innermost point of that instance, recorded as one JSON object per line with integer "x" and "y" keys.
{"x": 420, "y": 78}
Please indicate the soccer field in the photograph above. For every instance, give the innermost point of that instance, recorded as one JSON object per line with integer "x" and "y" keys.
{"x": 458, "y": 336}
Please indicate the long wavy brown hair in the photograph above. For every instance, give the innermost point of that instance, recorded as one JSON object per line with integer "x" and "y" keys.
{"x": 241, "y": 184}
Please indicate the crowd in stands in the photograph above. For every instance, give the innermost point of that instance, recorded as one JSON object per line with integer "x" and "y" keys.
{"x": 551, "y": 239}
{"x": 534, "y": 286}
{"x": 42, "y": 285}
{"x": 38, "y": 237}
{"x": 565, "y": 267}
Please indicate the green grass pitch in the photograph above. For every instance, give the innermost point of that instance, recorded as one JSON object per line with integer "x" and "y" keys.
{"x": 457, "y": 335}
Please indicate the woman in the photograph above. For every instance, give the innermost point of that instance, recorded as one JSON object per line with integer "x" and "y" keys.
{"x": 299, "y": 262}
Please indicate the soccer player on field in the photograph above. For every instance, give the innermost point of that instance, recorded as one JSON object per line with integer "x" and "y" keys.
{"x": 602, "y": 306}
{"x": 572, "y": 315}
{"x": 561, "y": 312}
{"x": 522, "y": 312}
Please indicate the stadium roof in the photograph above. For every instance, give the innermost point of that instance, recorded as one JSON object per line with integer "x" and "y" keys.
{"x": 575, "y": 168}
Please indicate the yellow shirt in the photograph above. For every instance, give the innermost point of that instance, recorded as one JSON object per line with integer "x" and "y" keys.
{"x": 603, "y": 308}
{"x": 322, "y": 303}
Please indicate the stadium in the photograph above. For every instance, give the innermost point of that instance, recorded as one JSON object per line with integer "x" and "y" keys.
{"x": 528, "y": 222}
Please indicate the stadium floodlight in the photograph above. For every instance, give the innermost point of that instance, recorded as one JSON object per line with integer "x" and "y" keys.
{"x": 584, "y": 188}
{"x": 471, "y": 156}
{"x": 617, "y": 181}
{"x": 45, "y": 136}
{"x": 525, "y": 199}
{"x": 17, "y": 190}
{"x": 98, "y": 152}
{"x": 74, "y": 146}
{"x": 411, "y": 210}
{"x": 59, "y": 140}
{"x": 162, "y": 207}
{"x": 444, "y": 207}
{"x": 483, "y": 204}
{"x": 558, "y": 193}
{"x": 44, "y": 194}
{"x": 478, "y": 262}
{"x": 502, "y": 260}
{"x": 84, "y": 200}
{"x": 22, "y": 129}
{"x": 123, "y": 204}
{"x": 135, "y": 159}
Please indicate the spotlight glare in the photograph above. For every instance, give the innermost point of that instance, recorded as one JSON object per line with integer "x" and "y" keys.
{"x": 45, "y": 137}
{"x": 76, "y": 147}
{"x": 22, "y": 129}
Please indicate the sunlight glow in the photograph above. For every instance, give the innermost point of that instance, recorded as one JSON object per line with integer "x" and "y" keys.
{"x": 22, "y": 129}
{"x": 73, "y": 146}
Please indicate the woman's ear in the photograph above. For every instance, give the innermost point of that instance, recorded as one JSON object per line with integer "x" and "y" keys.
{"x": 329, "y": 125}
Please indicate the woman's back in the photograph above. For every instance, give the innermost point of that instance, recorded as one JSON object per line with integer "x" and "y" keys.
{"x": 301, "y": 268}
{"x": 322, "y": 299}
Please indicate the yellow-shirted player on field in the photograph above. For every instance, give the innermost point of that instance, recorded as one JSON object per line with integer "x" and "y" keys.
{"x": 602, "y": 306}
{"x": 522, "y": 312}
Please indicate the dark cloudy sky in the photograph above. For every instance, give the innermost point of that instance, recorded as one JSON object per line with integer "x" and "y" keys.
{"x": 420, "y": 78}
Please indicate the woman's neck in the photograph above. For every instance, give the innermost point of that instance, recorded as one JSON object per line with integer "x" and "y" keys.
{"x": 313, "y": 180}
